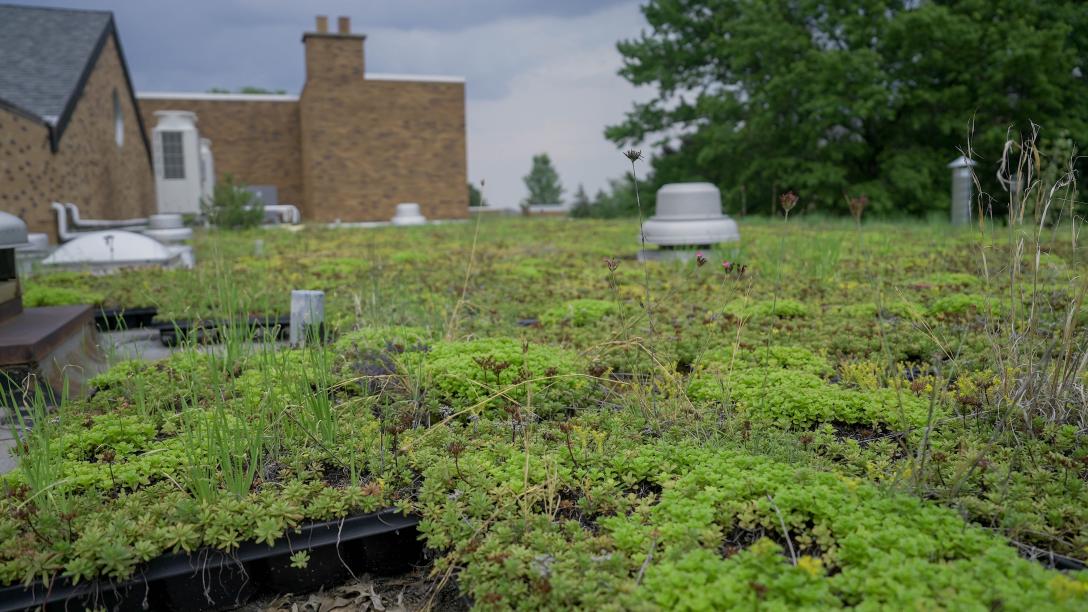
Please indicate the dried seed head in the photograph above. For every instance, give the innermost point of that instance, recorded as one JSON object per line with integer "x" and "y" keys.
{"x": 611, "y": 263}
{"x": 857, "y": 205}
{"x": 788, "y": 200}
{"x": 633, "y": 154}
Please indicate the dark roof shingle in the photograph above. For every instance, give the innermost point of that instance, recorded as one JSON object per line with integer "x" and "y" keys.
{"x": 44, "y": 53}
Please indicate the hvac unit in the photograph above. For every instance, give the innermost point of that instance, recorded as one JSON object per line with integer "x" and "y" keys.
{"x": 176, "y": 144}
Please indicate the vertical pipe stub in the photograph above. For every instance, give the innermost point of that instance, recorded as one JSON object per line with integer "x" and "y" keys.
{"x": 307, "y": 316}
{"x": 962, "y": 190}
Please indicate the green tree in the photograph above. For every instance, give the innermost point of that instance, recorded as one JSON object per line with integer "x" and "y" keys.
{"x": 581, "y": 207}
{"x": 250, "y": 89}
{"x": 826, "y": 97}
{"x": 247, "y": 89}
{"x": 617, "y": 201}
{"x": 475, "y": 196}
{"x": 543, "y": 182}
{"x": 232, "y": 206}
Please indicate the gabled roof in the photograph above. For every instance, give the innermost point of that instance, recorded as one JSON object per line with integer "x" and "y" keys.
{"x": 46, "y": 57}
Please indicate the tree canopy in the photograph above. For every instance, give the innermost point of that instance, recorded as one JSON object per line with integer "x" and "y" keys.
{"x": 831, "y": 98}
{"x": 247, "y": 89}
{"x": 581, "y": 205}
{"x": 475, "y": 196}
{"x": 543, "y": 182}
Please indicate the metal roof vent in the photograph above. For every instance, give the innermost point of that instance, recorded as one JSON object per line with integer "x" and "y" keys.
{"x": 12, "y": 231}
{"x": 168, "y": 229}
{"x": 689, "y": 215}
{"x": 962, "y": 188}
{"x": 175, "y": 142}
{"x": 408, "y": 214}
{"x": 109, "y": 251}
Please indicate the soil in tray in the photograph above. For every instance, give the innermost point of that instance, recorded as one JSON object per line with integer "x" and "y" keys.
{"x": 134, "y": 598}
{"x": 386, "y": 554}
{"x": 413, "y": 590}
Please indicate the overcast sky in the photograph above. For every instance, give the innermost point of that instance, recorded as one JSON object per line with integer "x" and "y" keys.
{"x": 541, "y": 74}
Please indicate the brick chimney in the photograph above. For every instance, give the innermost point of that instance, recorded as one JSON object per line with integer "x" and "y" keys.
{"x": 333, "y": 56}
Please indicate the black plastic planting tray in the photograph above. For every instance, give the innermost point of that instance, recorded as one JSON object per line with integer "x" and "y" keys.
{"x": 207, "y": 331}
{"x": 384, "y": 543}
{"x": 114, "y": 319}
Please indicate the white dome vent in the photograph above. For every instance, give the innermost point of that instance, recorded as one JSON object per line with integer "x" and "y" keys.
{"x": 408, "y": 214}
{"x": 112, "y": 250}
{"x": 689, "y": 215}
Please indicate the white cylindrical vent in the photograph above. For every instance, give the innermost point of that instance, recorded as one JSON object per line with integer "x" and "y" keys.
{"x": 168, "y": 229}
{"x": 408, "y": 213}
{"x": 307, "y": 316}
{"x": 962, "y": 190}
{"x": 165, "y": 222}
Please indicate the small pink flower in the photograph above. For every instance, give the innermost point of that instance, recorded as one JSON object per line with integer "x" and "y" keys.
{"x": 700, "y": 259}
{"x": 727, "y": 265}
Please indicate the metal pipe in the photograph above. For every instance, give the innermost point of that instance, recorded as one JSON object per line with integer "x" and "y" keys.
{"x": 85, "y": 224}
{"x": 63, "y": 235}
{"x": 286, "y": 213}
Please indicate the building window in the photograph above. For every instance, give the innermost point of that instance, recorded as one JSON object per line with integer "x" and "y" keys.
{"x": 118, "y": 120}
{"x": 173, "y": 156}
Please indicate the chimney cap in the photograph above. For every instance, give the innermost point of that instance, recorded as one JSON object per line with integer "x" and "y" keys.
{"x": 322, "y": 24}
{"x": 343, "y": 25}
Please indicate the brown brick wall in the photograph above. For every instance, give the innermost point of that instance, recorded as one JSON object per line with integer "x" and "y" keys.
{"x": 351, "y": 148}
{"x": 334, "y": 56}
{"x": 256, "y": 141}
{"x": 89, "y": 169}
{"x": 370, "y": 144}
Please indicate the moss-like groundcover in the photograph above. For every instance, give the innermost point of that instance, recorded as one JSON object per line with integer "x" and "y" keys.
{"x": 836, "y": 425}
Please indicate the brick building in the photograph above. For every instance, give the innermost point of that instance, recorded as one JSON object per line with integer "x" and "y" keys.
{"x": 69, "y": 126}
{"x": 351, "y": 147}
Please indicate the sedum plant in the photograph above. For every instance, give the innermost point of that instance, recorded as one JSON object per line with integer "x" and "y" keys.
{"x": 489, "y": 374}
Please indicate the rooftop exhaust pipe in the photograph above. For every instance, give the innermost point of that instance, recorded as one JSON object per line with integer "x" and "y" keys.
{"x": 97, "y": 224}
